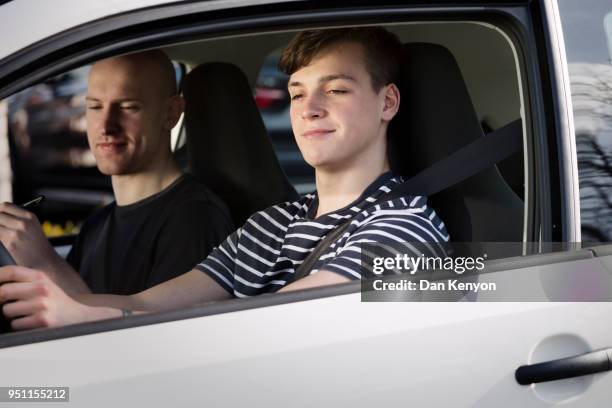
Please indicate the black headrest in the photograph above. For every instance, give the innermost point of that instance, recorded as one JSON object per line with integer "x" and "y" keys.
{"x": 437, "y": 118}
{"x": 436, "y": 115}
{"x": 229, "y": 148}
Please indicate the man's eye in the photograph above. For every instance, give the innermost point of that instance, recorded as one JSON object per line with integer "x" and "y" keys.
{"x": 296, "y": 96}
{"x": 131, "y": 108}
{"x": 94, "y": 107}
{"x": 337, "y": 91}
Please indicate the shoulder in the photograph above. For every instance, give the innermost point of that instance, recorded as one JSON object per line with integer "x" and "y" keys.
{"x": 283, "y": 213}
{"x": 191, "y": 196}
{"x": 188, "y": 188}
{"x": 407, "y": 218}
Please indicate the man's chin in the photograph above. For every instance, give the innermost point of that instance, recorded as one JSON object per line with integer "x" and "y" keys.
{"x": 113, "y": 170}
{"x": 315, "y": 162}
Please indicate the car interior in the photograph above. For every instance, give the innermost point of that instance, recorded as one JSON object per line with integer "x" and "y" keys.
{"x": 469, "y": 87}
{"x": 460, "y": 80}
{"x": 449, "y": 98}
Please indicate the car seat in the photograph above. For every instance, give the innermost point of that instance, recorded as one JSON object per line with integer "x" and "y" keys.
{"x": 436, "y": 118}
{"x": 228, "y": 145}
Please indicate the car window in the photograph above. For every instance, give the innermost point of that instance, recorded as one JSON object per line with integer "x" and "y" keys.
{"x": 587, "y": 28}
{"x": 494, "y": 90}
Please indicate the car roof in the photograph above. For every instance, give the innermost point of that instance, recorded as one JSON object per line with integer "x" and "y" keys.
{"x": 26, "y": 22}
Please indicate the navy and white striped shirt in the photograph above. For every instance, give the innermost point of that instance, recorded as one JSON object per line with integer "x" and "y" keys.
{"x": 261, "y": 257}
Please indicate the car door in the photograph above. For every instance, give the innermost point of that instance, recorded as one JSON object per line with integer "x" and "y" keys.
{"x": 330, "y": 346}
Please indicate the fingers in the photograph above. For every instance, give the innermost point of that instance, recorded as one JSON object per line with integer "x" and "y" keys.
{"x": 22, "y": 291}
{"x": 23, "y": 308}
{"x": 15, "y": 210}
{"x": 35, "y": 321}
{"x": 12, "y": 222}
{"x": 9, "y": 237}
{"x": 16, "y": 218}
{"x": 29, "y": 294}
{"x": 16, "y": 273}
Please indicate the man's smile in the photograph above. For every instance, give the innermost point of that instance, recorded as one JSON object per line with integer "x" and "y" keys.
{"x": 111, "y": 146}
{"x": 317, "y": 132}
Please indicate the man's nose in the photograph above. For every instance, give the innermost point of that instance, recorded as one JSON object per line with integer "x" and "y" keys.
{"x": 110, "y": 120}
{"x": 313, "y": 107}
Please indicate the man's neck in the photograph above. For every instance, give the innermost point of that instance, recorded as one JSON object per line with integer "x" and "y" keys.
{"x": 338, "y": 189}
{"x": 131, "y": 188}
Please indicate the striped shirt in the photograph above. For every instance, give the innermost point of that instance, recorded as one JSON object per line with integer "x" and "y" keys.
{"x": 261, "y": 257}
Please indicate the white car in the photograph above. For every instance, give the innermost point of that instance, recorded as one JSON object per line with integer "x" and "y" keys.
{"x": 544, "y": 62}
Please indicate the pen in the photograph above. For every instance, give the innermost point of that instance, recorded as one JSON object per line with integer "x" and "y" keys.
{"x": 33, "y": 203}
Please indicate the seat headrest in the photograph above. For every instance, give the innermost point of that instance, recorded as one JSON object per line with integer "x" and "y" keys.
{"x": 436, "y": 114}
{"x": 437, "y": 118}
{"x": 229, "y": 148}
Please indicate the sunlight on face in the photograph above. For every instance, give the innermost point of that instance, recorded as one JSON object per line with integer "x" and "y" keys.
{"x": 335, "y": 113}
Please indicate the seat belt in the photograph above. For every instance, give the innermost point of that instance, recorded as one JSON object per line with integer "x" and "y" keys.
{"x": 464, "y": 163}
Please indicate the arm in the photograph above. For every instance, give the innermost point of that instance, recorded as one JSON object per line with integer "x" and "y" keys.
{"x": 346, "y": 266}
{"x": 185, "y": 290}
{"x": 22, "y": 235}
{"x": 36, "y": 301}
{"x": 321, "y": 278}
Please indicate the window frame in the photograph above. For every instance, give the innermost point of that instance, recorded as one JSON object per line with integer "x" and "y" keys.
{"x": 172, "y": 24}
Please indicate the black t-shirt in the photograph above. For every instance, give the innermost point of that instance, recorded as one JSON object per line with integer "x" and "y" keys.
{"x": 126, "y": 249}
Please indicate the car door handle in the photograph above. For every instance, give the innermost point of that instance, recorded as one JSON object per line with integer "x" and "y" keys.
{"x": 583, "y": 364}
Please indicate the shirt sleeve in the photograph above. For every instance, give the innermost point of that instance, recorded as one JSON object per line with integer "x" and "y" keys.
{"x": 186, "y": 237}
{"x": 387, "y": 236}
{"x": 221, "y": 262}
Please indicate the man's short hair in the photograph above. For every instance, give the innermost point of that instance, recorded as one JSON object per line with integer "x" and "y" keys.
{"x": 382, "y": 51}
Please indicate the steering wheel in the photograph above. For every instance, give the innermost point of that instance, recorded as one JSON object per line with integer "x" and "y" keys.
{"x": 5, "y": 260}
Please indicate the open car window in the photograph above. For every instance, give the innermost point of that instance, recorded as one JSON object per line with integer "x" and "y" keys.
{"x": 496, "y": 91}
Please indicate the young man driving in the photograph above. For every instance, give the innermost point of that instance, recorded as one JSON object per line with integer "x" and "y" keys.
{"x": 343, "y": 96}
{"x": 162, "y": 221}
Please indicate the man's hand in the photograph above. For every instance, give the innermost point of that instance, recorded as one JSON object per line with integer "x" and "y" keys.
{"x": 36, "y": 301}
{"x": 22, "y": 235}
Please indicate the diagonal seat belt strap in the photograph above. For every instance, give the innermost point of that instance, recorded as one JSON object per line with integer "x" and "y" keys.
{"x": 465, "y": 162}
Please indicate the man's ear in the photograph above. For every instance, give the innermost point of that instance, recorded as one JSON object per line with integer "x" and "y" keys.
{"x": 391, "y": 102}
{"x": 176, "y": 106}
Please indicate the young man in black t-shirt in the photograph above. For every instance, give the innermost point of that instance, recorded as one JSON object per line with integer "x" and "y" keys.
{"x": 162, "y": 222}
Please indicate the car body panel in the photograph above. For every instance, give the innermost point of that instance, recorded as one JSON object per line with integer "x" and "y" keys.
{"x": 340, "y": 351}
{"x": 41, "y": 26}
{"x": 332, "y": 352}
{"x": 316, "y": 349}
{"x": 74, "y": 13}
